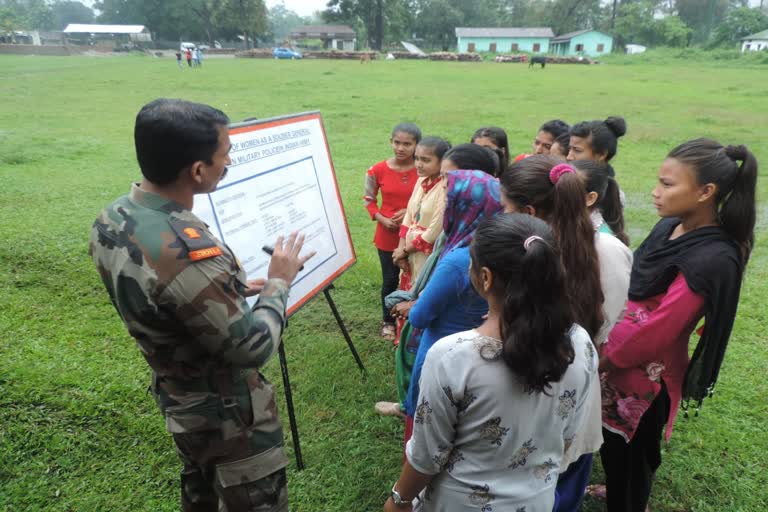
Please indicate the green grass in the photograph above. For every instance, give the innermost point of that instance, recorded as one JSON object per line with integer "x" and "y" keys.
{"x": 78, "y": 431}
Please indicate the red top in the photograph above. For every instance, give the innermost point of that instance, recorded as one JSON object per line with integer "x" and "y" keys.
{"x": 396, "y": 188}
{"x": 649, "y": 344}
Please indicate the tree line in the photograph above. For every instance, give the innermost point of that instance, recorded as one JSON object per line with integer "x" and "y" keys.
{"x": 196, "y": 20}
{"x": 708, "y": 23}
{"x": 429, "y": 23}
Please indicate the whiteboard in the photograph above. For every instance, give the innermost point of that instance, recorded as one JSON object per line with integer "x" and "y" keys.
{"x": 281, "y": 180}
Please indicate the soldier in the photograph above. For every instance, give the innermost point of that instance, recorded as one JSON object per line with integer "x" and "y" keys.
{"x": 181, "y": 294}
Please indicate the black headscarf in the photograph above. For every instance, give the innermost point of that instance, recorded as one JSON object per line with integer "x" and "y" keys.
{"x": 711, "y": 264}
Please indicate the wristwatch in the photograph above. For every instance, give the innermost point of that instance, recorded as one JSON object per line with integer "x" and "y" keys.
{"x": 397, "y": 499}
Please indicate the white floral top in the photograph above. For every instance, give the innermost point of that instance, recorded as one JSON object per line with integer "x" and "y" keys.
{"x": 492, "y": 444}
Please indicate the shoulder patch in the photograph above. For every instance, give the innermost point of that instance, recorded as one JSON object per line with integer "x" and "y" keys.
{"x": 199, "y": 244}
{"x": 202, "y": 254}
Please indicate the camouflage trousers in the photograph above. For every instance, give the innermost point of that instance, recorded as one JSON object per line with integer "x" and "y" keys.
{"x": 218, "y": 478}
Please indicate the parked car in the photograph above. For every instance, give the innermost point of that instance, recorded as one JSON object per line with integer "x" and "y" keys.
{"x": 285, "y": 53}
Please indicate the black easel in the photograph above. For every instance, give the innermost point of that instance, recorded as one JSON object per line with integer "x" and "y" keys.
{"x": 287, "y": 381}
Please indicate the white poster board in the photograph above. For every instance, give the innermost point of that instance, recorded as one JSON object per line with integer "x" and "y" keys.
{"x": 281, "y": 180}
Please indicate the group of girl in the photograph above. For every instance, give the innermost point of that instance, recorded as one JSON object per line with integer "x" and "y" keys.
{"x": 528, "y": 335}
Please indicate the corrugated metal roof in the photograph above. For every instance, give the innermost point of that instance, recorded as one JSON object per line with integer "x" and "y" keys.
{"x": 505, "y": 32}
{"x": 759, "y": 35}
{"x": 571, "y": 35}
{"x": 324, "y": 29}
{"x": 80, "y": 28}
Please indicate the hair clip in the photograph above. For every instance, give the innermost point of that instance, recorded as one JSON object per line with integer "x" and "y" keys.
{"x": 529, "y": 241}
{"x": 557, "y": 172}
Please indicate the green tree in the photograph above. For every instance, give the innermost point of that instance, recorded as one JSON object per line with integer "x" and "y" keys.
{"x": 672, "y": 31}
{"x": 365, "y": 14}
{"x": 206, "y": 10}
{"x": 283, "y": 20}
{"x": 9, "y": 22}
{"x": 375, "y": 21}
{"x": 436, "y": 22}
{"x": 701, "y": 16}
{"x": 29, "y": 14}
{"x": 637, "y": 22}
{"x": 738, "y": 23}
{"x": 68, "y": 12}
{"x": 166, "y": 19}
{"x": 249, "y": 17}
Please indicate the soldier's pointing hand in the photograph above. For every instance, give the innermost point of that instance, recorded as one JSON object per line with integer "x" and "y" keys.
{"x": 286, "y": 260}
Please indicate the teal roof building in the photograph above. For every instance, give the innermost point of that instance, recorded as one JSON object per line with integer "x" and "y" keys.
{"x": 504, "y": 40}
{"x": 588, "y": 43}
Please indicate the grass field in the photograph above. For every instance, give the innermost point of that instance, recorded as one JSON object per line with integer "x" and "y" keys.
{"x": 78, "y": 431}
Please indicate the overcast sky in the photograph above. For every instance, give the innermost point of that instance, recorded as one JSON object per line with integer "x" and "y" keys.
{"x": 301, "y": 7}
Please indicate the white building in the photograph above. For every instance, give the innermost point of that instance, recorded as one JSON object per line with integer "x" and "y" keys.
{"x": 633, "y": 49}
{"x": 134, "y": 33}
{"x": 755, "y": 42}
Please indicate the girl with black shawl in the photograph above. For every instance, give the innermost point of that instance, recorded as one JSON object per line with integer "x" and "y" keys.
{"x": 691, "y": 265}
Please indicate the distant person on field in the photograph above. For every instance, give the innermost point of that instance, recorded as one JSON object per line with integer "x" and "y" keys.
{"x": 181, "y": 293}
{"x": 395, "y": 179}
{"x": 188, "y": 53}
{"x": 178, "y": 59}
{"x": 200, "y": 57}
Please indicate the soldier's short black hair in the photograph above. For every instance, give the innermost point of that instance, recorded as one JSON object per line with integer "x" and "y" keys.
{"x": 172, "y": 134}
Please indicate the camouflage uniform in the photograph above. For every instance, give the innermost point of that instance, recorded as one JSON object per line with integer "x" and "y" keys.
{"x": 179, "y": 292}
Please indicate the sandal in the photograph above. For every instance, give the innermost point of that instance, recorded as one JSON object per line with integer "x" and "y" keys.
{"x": 388, "y": 409}
{"x": 388, "y": 331}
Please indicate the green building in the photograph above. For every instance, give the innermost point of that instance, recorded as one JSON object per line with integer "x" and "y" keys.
{"x": 589, "y": 43}
{"x": 504, "y": 40}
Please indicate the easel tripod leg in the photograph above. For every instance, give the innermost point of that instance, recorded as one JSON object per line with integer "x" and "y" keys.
{"x": 291, "y": 412}
{"x": 343, "y": 327}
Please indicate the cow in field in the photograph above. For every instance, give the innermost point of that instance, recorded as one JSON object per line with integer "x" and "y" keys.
{"x": 538, "y": 59}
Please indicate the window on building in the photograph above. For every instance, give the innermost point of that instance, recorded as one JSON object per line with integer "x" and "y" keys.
{"x": 471, "y": 47}
{"x": 536, "y": 47}
{"x": 579, "y": 47}
{"x": 515, "y": 47}
{"x": 601, "y": 48}
{"x": 339, "y": 45}
{"x": 747, "y": 47}
{"x": 492, "y": 48}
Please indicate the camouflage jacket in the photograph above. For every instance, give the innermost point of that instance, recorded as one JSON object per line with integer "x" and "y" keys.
{"x": 179, "y": 292}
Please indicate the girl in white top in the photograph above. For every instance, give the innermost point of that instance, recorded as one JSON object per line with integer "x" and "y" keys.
{"x": 500, "y": 404}
{"x": 597, "y": 267}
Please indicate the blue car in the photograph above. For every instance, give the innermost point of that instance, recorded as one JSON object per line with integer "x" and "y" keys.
{"x": 285, "y": 53}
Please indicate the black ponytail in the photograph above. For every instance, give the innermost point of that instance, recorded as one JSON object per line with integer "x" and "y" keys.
{"x": 736, "y": 184}
{"x": 521, "y": 253}
{"x": 603, "y": 135}
{"x": 597, "y": 178}
{"x": 562, "y": 204}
